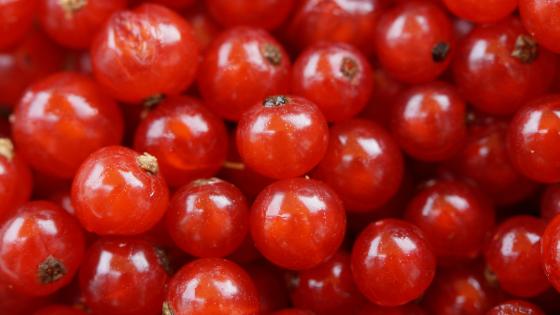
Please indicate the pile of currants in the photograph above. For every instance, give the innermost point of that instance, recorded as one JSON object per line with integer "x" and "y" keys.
{"x": 279, "y": 157}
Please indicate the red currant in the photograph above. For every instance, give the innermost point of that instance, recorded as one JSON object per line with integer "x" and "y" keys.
{"x": 550, "y": 243}
{"x": 16, "y": 18}
{"x": 292, "y": 311}
{"x": 516, "y": 307}
{"x": 59, "y": 310}
{"x": 267, "y": 14}
{"x": 540, "y": 19}
{"x": 204, "y": 27}
{"x": 481, "y": 12}
{"x": 408, "y": 309}
{"x": 15, "y": 179}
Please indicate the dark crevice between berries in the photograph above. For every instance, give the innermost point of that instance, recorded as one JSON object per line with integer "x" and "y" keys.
{"x": 150, "y": 103}
{"x": 349, "y": 68}
{"x": 490, "y": 277}
{"x": 440, "y": 52}
{"x": 163, "y": 259}
{"x": 526, "y": 49}
{"x": 50, "y": 270}
{"x": 148, "y": 163}
{"x": 272, "y": 54}
{"x": 6, "y": 148}
{"x": 166, "y": 309}
{"x": 275, "y": 101}
{"x": 70, "y": 7}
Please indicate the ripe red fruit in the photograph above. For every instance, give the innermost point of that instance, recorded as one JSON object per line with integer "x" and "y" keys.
{"x": 15, "y": 179}
{"x": 144, "y": 53}
{"x": 392, "y": 263}
{"x": 123, "y": 276}
{"x": 292, "y": 311}
{"x": 336, "y": 77}
{"x": 188, "y": 140}
{"x": 551, "y": 260}
{"x": 59, "y": 310}
{"x": 16, "y": 18}
{"x": 282, "y": 136}
{"x": 516, "y": 307}
{"x": 241, "y": 67}
{"x": 41, "y": 248}
{"x": 204, "y": 27}
{"x": 211, "y": 286}
{"x": 481, "y": 11}
{"x": 119, "y": 191}
{"x": 540, "y": 19}
{"x": 266, "y": 14}
{"x": 297, "y": 223}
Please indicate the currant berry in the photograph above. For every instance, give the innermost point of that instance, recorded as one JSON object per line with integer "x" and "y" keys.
{"x": 282, "y": 137}
{"x": 297, "y": 223}
{"x": 176, "y": 4}
{"x": 267, "y": 14}
{"x": 41, "y": 248}
{"x": 16, "y": 19}
{"x": 516, "y": 307}
{"x": 550, "y": 202}
{"x": 336, "y": 77}
{"x": 142, "y": 54}
{"x": 188, "y": 140}
{"x": 15, "y": 179}
{"x": 130, "y": 267}
{"x": 481, "y": 12}
{"x": 550, "y": 243}
{"x": 14, "y": 303}
{"x": 75, "y": 119}
{"x": 59, "y": 310}
{"x": 539, "y": 18}
{"x": 363, "y": 164}
{"x": 241, "y": 67}
{"x": 211, "y": 286}
{"x": 119, "y": 191}
{"x": 392, "y": 263}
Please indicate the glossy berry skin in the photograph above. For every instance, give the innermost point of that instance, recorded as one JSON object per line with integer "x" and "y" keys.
{"x": 392, "y": 262}
{"x": 41, "y": 248}
{"x": 514, "y": 255}
{"x": 534, "y": 140}
{"x": 241, "y": 67}
{"x": 144, "y": 53}
{"x": 455, "y": 218}
{"x": 481, "y": 12}
{"x": 73, "y": 24}
{"x": 516, "y": 307}
{"x": 33, "y": 59}
{"x": 328, "y": 288}
{"x": 75, "y": 119}
{"x": 336, "y": 77}
{"x": 428, "y": 121}
{"x": 123, "y": 276}
{"x": 363, "y": 164}
{"x": 59, "y": 310}
{"x": 297, "y": 223}
{"x": 347, "y": 21}
{"x": 15, "y": 180}
{"x": 497, "y": 72}
{"x": 414, "y": 41}
{"x": 116, "y": 191}
{"x": 199, "y": 288}
{"x": 16, "y": 19}
{"x": 208, "y": 218}
{"x": 188, "y": 140}
{"x": 540, "y": 19}
{"x": 266, "y": 14}
{"x": 550, "y": 243}
{"x": 550, "y": 202}
{"x": 282, "y": 136}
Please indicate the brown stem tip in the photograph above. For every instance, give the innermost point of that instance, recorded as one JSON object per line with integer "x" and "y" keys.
{"x": 148, "y": 163}
{"x": 205, "y": 181}
{"x": 153, "y": 100}
{"x": 440, "y": 52}
{"x": 163, "y": 259}
{"x": 50, "y": 270}
{"x": 6, "y": 148}
{"x": 71, "y": 6}
{"x": 166, "y": 309}
{"x": 272, "y": 53}
{"x": 349, "y": 68}
{"x": 275, "y": 101}
{"x": 526, "y": 49}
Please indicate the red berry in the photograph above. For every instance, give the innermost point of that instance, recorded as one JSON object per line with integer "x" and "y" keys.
{"x": 540, "y": 19}
{"x": 267, "y": 14}
{"x": 122, "y": 276}
{"x": 550, "y": 243}
{"x": 188, "y": 140}
{"x": 297, "y": 223}
{"x": 41, "y": 248}
{"x": 211, "y": 286}
{"x": 392, "y": 263}
{"x": 408, "y": 309}
{"x": 550, "y": 202}
{"x": 204, "y": 27}
{"x": 481, "y": 11}
{"x": 119, "y": 191}
{"x": 241, "y": 67}
{"x": 144, "y": 53}
{"x": 15, "y": 179}
{"x": 516, "y": 307}
{"x": 16, "y": 18}
{"x": 282, "y": 137}
{"x": 292, "y": 311}
{"x": 176, "y": 4}
{"x": 59, "y": 310}
{"x": 336, "y": 77}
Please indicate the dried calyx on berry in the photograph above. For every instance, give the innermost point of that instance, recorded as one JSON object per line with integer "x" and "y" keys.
{"x": 275, "y": 101}
{"x": 526, "y": 49}
{"x": 440, "y": 51}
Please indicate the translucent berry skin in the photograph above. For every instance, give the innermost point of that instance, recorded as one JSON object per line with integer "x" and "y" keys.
{"x": 266, "y": 14}
{"x": 408, "y": 309}
{"x": 428, "y": 121}
{"x": 198, "y": 289}
{"x": 16, "y": 18}
{"x": 188, "y": 140}
{"x": 114, "y": 194}
{"x": 363, "y": 164}
{"x": 455, "y": 218}
{"x": 336, "y": 77}
{"x": 414, "y": 41}
{"x": 550, "y": 202}
{"x": 41, "y": 248}
{"x": 534, "y": 140}
{"x": 282, "y": 137}
{"x": 123, "y": 276}
{"x": 33, "y": 59}
{"x": 75, "y": 27}
{"x": 327, "y": 289}
{"x": 514, "y": 255}
{"x": 144, "y": 53}
{"x": 481, "y": 12}
{"x": 241, "y": 67}
{"x": 15, "y": 182}
{"x": 352, "y": 22}
{"x": 540, "y": 19}
{"x": 297, "y": 223}
{"x": 491, "y": 78}
{"x": 516, "y": 307}
{"x": 59, "y": 310}
{"x": 75, "y": 119}
{"x": 208, "y": 218}
{"x": 550, "y": 243}
{"x": 392, "y": 263}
